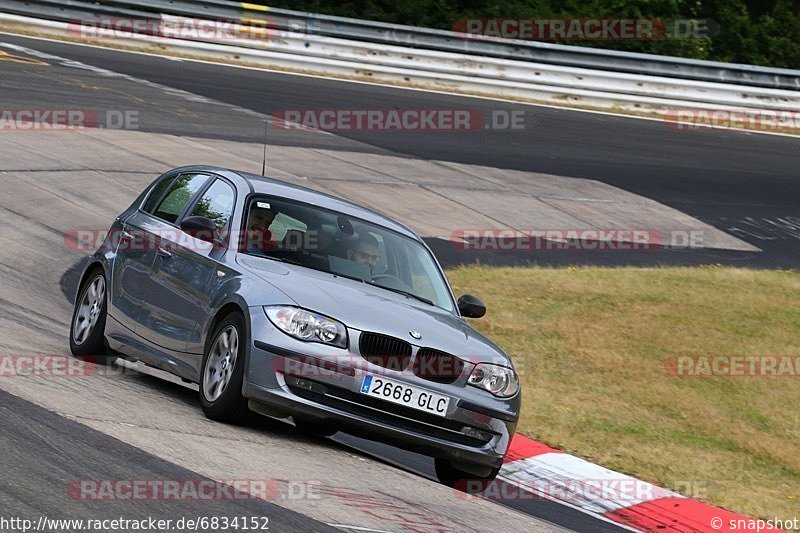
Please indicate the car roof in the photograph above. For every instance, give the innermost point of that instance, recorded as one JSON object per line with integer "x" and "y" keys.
{"x": 284, "y": 189}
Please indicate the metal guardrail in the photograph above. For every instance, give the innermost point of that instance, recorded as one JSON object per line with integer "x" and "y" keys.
{"x": 320, "y": 47}
{"x": 447, "y": 41}
{"x": 439, "y": 40}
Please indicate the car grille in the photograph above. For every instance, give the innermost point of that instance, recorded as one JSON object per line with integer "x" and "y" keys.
{"x": 437, "y": 366}
{"x": 384, "y": 351}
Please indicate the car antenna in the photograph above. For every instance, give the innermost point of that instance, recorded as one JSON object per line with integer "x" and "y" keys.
{"x": 264, "y": 160}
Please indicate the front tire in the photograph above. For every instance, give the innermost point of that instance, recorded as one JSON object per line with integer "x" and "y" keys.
{"x": 222, "y": 373}
{"x": 87, "y": 330}
{"x": 459, "y": 479}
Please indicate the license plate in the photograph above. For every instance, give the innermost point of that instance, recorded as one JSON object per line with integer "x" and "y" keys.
{"x": 402, "y": 394}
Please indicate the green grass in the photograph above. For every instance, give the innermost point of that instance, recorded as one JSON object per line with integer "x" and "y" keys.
{"x": 592, "y": 346}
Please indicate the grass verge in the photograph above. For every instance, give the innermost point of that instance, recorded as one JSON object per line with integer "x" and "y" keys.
{"x": 593, "y": 346}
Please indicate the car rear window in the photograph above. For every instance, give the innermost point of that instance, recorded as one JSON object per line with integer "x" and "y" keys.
{"x": 179, "y": 196}
{"x": 156, "y": 194}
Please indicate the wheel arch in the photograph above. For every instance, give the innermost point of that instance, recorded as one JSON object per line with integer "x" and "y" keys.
{"x": 90, "y": 268}
{"x": 232, "y": 306}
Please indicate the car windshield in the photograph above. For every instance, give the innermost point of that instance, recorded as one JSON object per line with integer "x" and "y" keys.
{"x": 329, "y": 241}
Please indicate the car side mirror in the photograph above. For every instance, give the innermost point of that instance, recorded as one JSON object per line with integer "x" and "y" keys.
{"x": 202, "y": 228}
{"x": 471, "y": 306}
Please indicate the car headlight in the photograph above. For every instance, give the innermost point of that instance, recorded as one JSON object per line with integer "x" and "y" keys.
{"x": 499, "y": 380}
{"x": 307, "y": 326}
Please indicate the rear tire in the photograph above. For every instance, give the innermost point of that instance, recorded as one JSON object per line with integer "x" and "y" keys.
{"x": 222, "y": 373}
{"x": 87, "y": 329}
{"x": 456, "y": 478}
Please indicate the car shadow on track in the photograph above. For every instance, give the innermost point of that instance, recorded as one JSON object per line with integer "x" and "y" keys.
{"x": 172, "y": 387}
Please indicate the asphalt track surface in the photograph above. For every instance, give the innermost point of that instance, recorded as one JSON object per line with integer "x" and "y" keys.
{"x": 736, "y": 175}
{"x": 747, "y": 184}
{"x": 42, "y": 449}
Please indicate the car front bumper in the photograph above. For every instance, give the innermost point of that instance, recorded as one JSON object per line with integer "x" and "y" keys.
{"x": 287, "y": 377}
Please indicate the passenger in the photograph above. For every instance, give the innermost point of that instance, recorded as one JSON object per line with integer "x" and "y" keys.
{"x": 259, "y": 237}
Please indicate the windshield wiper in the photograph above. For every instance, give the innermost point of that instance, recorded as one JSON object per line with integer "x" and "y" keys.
{"x": 406, "y": 293}
{"x": 338, "y": 275}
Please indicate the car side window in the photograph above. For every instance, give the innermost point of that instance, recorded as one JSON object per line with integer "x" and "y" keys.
{"x": 180, "y": 194}
{"x": 156, "y": 194}
{"x": 216, "y": 204}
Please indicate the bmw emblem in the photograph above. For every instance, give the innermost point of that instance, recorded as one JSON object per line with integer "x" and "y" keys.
{"x": 415, "y": 334}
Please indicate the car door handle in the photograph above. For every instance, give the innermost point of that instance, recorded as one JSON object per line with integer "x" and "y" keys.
{"x": 164, "y": 252}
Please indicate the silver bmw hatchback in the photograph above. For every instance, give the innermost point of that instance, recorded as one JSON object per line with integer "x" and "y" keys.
{"x": 284, "y": 301}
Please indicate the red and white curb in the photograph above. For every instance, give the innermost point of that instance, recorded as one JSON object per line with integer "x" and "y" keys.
{"x": 533, "y": 470}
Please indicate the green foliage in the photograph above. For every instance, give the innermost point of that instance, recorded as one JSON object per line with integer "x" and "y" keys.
{"x": 760, "y": 32}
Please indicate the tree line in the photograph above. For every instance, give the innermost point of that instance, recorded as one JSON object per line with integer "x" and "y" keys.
{"x": 758, "y": 32}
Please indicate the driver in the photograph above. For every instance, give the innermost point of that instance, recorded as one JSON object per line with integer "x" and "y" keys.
{"x": 365, "y": 250}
